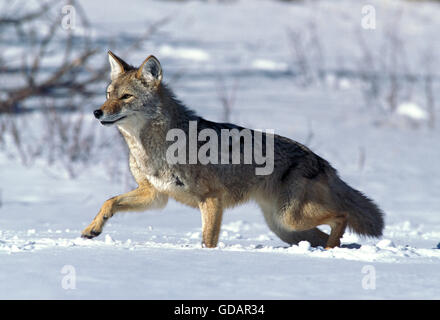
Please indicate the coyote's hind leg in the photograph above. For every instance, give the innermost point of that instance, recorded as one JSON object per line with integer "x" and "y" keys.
{"x": 287, "y": 233}
{"x": 337, "y": 225}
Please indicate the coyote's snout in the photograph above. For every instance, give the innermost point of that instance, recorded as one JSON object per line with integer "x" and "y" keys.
{"x": 302, "y": 191}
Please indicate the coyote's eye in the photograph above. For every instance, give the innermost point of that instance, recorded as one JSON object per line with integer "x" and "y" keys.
{"x": 126, "y": 96}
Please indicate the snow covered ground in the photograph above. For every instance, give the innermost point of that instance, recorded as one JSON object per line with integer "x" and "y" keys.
{"x": 157, "y": 254}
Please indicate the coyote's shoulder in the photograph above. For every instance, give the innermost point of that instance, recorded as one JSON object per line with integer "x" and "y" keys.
{"x": 220, "y": 165}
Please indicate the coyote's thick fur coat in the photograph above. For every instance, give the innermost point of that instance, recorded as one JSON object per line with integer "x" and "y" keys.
{"x": 301, "y": 193}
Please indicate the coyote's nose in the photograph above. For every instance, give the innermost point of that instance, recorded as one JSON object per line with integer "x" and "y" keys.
{"x": 98, "y": 113}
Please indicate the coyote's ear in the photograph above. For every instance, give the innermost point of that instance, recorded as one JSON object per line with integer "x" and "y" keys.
{"x": 150, "y": 70}
{"x": 118, "y": 66}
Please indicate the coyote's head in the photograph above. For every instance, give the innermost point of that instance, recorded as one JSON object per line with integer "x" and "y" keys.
{"x": 133, "y": 92}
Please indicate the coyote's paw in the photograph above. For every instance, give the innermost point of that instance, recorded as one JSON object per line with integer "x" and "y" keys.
{"x": 91, "y": 231}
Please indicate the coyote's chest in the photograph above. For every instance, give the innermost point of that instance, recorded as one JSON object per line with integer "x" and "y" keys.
{"x": 148, "y": 165}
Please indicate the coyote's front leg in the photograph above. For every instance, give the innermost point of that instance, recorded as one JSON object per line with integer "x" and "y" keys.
{"x": 143, "y": 198}
{"x": 212, "y": 212}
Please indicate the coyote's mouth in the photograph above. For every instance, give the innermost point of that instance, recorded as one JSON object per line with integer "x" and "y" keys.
{"x": 109, "y": 122}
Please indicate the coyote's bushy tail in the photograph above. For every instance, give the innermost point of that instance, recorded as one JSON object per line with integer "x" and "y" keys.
{"x": 364, "y": 216}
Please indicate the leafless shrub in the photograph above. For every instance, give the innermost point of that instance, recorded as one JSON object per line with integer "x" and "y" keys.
{"x": 362, "y": 158}
{"x": 69, "y": 140}
{"x": 56, "y": 70}
{"x": 310, "y": 133}
{"x": 307, "y": 54}
{"x": 39, "y": 32}
{"x": 428, "y": 61}
{"x": 387, "y": 78}
{"x": 368, "y": 69}
{"x": 383, "y": 70}
{"x": 227, "y": 97}
{"x": 395, "y": 64}
{"x": 300, "y": 58}
{"x": 2, "y": 132}
{"x": 430, "y": 101}
{"x": 78, "y": 70}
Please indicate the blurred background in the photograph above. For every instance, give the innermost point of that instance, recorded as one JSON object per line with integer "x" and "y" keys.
{"x": 357, "y": 82}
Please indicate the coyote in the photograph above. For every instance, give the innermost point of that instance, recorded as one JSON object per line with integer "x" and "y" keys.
{"x": 302, "y": 192}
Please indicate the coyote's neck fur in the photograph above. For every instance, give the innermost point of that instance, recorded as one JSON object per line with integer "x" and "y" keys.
{"x": 146, "y": 137}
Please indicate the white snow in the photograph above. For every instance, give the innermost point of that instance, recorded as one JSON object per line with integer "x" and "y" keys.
{"x": 183, "y": 53}
{"x": 264, "y": 64}
{"x": 412, "y": 110}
